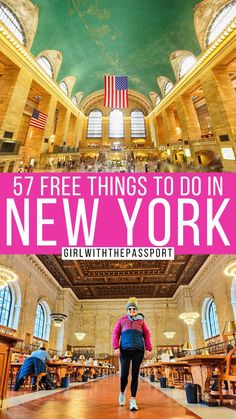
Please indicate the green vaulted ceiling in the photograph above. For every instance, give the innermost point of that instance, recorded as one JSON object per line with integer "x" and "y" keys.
{"x": 129, "y": 37}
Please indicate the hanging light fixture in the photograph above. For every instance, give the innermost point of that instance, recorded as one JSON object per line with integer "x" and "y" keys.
{"x": 7, "y": 275}
{"x": 169, "y": 334}
{"x": 80, "y": 334}
{"x": 188, "y": 316}
{"x": 58, "y": 316}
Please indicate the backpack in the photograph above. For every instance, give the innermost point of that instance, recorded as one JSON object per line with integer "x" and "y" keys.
{"x": 48, "y": 383}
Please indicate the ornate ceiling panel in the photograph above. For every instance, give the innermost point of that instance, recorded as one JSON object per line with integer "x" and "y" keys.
{"x": 92, "y": 279}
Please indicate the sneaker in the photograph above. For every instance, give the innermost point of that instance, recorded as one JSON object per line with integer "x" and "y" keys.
{"x": 122, "y": 399}
{"x": 133, "y": 405}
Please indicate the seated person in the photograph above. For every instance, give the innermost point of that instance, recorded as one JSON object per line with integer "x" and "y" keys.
{"x": 34, "y": 364}
{"x": 42, "y": 354}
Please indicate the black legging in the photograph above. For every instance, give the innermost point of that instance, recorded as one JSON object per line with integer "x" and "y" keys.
{"x": 136, "y": 357}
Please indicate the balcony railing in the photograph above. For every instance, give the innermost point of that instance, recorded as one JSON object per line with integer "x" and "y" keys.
{"x": 214, "y": 348}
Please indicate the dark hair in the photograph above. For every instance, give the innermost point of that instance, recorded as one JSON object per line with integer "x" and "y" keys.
{"x": 42, "y": 348}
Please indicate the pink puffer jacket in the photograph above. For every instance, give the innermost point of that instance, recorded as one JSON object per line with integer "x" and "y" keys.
{"x": 129, "y": 328}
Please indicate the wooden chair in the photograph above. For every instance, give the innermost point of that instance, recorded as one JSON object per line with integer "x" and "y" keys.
{"x": 229, "y": 375}
{"x": 37, "y": 377}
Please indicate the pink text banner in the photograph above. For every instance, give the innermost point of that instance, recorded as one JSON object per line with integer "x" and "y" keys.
{"x": 44, "y": 212}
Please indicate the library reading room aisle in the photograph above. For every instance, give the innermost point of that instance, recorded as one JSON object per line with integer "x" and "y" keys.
{"x": 99, "y": 400}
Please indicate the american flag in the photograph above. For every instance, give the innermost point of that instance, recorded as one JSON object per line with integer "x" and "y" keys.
{"x": 38, "y": 119}
{"x": 116, "y": 91}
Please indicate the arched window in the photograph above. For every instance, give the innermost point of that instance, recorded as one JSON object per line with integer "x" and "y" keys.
{"x": 221, "y": 21}
{"x": 74, "y": 100}
{"x": 168, "y": 87}
{"x": 11, "y": 21}
{"x": 94, "y": 124}
{"x": 116, "y": 124}
{"x": 186, "y": 64}
{"x": 137, "y": 124}
{"x": 40, "y": 320}
{"x": 209, "y": 318}
{"x": 46, "y": 65}
{"x": 5, "y": 305}
{"x": 213, "y": 325}
{"x": 64, "y": 87}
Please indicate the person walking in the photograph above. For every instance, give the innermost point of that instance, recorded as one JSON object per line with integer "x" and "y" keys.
{"x": 130, "y": 339}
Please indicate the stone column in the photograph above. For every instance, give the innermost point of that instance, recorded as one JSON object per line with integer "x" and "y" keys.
{"x": 62, "y": 126}
{"x": 221, "y": 101}
{"x": 16, "y": 90}
{"x": 170, "y": 125}
{"x": 21, "y": 329}
{"x": 149, "y": 139}
{"x": 71, "y": 131}
{"x": 188, "y": 117}
{"x": 81, "y": 130}
{"x": 153, "y": 136}
{"x": 60, "y": 340}
{"x": 160, "y": 130}
{"x": 127, "y": 132}
{"x": 7, "y": 85}
{"x": 105, "y": 130}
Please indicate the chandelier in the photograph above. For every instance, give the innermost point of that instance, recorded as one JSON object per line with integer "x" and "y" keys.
{"x": 188, "y": 316}
{"x": 7, "y": 275}
{"x": 169, "y": 334}
{"x": 58, "y": 316}
{"x": 80, "y": 334}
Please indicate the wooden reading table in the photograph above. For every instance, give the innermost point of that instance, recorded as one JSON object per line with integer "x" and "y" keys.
{"x": 202, "y": 367}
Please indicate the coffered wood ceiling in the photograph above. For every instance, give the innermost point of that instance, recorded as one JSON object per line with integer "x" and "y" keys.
{"x": 130, "y": 37}
{"x": 101, "y": 279}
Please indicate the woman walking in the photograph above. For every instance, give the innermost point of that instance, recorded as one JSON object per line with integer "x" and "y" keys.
{"x": 130, "y": 338}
